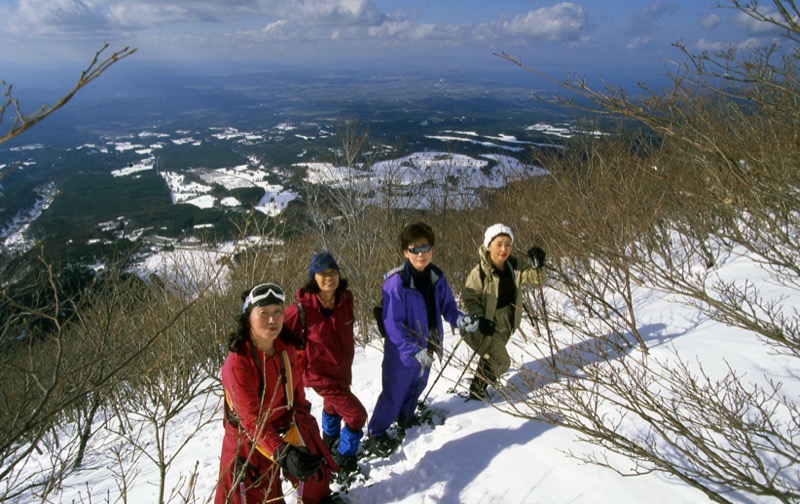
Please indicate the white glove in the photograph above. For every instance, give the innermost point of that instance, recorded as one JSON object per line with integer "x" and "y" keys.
{"x": 423, "y": 357}
{"x": 469, "y": 323}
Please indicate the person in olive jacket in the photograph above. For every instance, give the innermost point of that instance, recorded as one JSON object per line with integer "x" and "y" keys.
{"x": 265, "y": 399}
{"x": 493, "y": 293}
{"x": 324, "y": 319}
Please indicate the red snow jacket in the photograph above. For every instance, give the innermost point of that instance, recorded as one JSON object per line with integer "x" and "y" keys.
{"x": 329, "y": 340}
{"x": 261, "y": 423}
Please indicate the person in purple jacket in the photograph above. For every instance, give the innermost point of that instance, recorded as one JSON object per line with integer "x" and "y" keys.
{"x": 416, "y": 296}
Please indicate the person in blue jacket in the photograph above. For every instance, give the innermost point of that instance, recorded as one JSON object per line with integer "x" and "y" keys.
{"x": 416, "y": 296}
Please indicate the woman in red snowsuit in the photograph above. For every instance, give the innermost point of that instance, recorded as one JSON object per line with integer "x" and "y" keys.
{"x": 264, "y": 397}
{"x": 326, "y": 326}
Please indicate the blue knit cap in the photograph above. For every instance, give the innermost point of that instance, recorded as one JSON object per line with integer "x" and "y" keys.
{"x": 322, "y": 261}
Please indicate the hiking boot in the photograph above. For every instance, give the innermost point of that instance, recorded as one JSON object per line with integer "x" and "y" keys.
{"x": 332, "y": 442}
{"x": 404, "y": 425}
{"x": 381, "y": 446}
{"x": 346, "y": 464}
{"x": 477, "y": 389}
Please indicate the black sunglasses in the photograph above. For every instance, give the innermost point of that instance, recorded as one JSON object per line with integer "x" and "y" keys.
{"x": 420, "y": 249}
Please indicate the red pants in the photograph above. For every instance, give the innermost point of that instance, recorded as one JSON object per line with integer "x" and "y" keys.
{"x": 344, "y": 403}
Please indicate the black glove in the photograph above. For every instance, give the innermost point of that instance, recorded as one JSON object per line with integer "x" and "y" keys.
{"x": 297, "y": 460}
{"x": 486, "y": 326}
{"x": 537, "y": 256}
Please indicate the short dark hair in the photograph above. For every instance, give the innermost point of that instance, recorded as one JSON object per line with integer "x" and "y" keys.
{"x": 414, "y": 232}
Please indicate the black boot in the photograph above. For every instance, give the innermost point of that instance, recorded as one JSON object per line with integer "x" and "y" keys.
{"x": 347, "y": 465}
{"x": 332, "y": 442}
{"x": 483, "y": 377}
{"x": 477, "y": 390}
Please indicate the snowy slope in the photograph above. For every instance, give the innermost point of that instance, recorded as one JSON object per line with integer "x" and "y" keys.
{"x": 478, "y": 455}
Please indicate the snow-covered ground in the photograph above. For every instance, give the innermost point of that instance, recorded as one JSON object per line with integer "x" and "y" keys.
{"x": 13, "y": 237}
{"x": 478, "y": 454}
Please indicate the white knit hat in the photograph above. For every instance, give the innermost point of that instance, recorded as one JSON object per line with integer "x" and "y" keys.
{"x": 494, "y": 230}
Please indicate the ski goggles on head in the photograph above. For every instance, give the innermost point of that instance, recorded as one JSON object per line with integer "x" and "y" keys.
{"x": 266, "y": 293}
{"x": 420, "y": 249}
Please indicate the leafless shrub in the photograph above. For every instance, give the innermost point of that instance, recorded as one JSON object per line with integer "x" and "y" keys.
{"x": 707, "y": 180}
{"x": 65, "y": 358}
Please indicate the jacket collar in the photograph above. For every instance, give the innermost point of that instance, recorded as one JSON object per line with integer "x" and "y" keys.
{"x": 311, "y": 299}
{"x": 279, "y": 345}
{"x": 486, "y": 262}
{"x": 408, "y": 278}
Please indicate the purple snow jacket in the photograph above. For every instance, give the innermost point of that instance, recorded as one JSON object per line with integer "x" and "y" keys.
{"x": 405, "y": 315}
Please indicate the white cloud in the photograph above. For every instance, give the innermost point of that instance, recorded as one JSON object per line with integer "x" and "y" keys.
{"x": 86, "y": 18}
{"x": 639, "y": 42}
{"x": 647, "y": 18}
{"x": 145, "y": 13}
{"x": 563, "y": 22}
{"x": 334, "y": 12}
{"x": 306, "y": 30}
{"x": 751, "y": 43}
{"x": 275, "y": 27}
{"x": 57, "y": 18}
{"x": 415, "y": 32}
{"x": 754, "y": 26}
{"x": 710, "y": 22}
{"x": 711, "y": 45}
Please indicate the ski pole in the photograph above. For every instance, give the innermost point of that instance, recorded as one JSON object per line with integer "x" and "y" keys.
{"x": 239, "y": 470}
{"x": 539, "y": 265}
{"x": 547, "y": 327}
{"x": 300, "y": 487}
{"x": 422, "y": 402}
{"x": 452, "y": 389}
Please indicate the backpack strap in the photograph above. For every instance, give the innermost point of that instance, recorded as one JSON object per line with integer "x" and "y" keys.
{"x": 286, "y": 376}
{"x": 377, "y": 312}
{"x": 292, "y": 434}
{"x": 301, "y": 312}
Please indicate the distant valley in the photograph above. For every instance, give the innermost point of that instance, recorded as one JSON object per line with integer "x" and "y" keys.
{"x": 114, "y": 170}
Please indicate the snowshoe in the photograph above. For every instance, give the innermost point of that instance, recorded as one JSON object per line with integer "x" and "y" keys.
{"x": 346, "y": 464}
{"x": 381, "y": 446}
{"x": 478, "y": 390}
{"x": 344, "y": 480}
{"x": 427, "y": 415}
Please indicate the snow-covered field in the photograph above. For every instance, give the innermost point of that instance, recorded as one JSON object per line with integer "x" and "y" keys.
{"x": 196, "y": 185}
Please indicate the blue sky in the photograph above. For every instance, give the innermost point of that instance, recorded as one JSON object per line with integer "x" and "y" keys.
{"x": 589, "y": 37}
